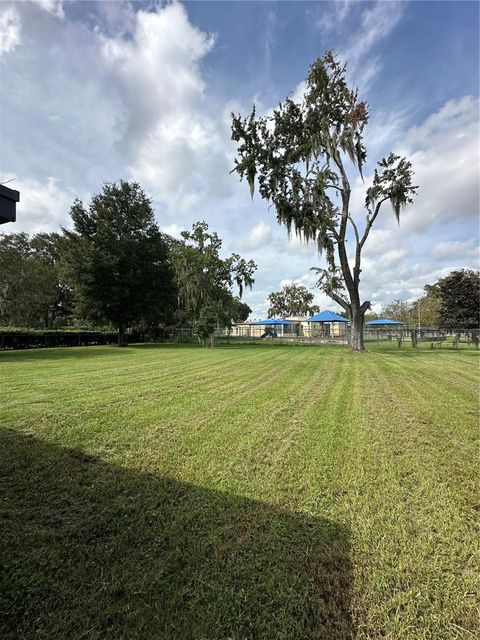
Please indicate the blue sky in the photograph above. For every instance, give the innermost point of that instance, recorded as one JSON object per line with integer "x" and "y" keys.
{"x": 98, "y": 91}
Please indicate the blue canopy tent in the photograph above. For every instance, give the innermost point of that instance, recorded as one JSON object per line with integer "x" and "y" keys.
{"x": 327, "y": 316}
{"x": 383, "y": 322}
{"x": 328, "y": 320}
{"x": 384, "y": 327}
{"x": 271, "y": 324}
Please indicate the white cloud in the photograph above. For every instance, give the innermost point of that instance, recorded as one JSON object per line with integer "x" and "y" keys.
{"x": 379, "y": 241}
{"x": 456, "y": 250}
{"x": 177, "y": 146}
{"x": 331, "y": 19}
{"x": 55, "y": 7}
{"x": 269, "y": 39}
{"x": 393, "y": 258}
{"x": 43, "y": 206}
{"x": 384, "y": 130}
{"x": 10, "y": 29}
{"x": 260, "y": 235}
{"x": 444, "y": 152}
{"x": 158, "y": 66}
{"x": 174, "y": 230}
{"x": 377, "y": 21}
{"x": 457, "y": 115}
{"x": 115, "y": 18}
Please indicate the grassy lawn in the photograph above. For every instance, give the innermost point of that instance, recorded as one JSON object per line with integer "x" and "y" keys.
{"x": 254, "y": 492}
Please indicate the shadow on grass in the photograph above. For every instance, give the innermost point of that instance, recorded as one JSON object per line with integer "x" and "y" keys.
{"x": 97, "y": 551}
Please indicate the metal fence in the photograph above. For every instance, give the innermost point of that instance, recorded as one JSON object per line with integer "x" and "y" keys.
{"x": 409, "y": 335}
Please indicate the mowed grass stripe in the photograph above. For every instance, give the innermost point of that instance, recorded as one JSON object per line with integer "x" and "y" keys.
{"x": 442, "y": 417}
{"x": 298, "y": 493}
{"x": 104, "y": 379}
{"x": 413, "y": 529}
{"x": 268, "y": 437}
{"x": 63, "y": 399}
{"x": 310, "y": 473}
{"x": 250, "y": 421}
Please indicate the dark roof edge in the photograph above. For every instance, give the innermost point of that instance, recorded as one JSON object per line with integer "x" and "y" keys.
{"x": 11, "y": 194}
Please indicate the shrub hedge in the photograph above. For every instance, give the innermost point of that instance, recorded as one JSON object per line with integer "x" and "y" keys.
{"x": 33, "y": 339}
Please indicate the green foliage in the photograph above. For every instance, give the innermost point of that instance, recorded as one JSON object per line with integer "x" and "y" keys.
{"x": 240, "y": 310}
{"x": 118, "y": 260}
{"x": 293, "y": 300}
{"x": 205, "y": 281}
{"x": 451, "y": 303}
{"x": 394, "y": 183}
{"x": 459, "y": 293}
{"x": 400, "y": 310}
{"x": 424, "y": 311}
{"x": 33, "y": 290}
{"x": 297, "y": 157}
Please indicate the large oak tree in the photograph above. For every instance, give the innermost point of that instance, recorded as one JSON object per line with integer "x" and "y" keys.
{"x": 118, "y": 260}
{"x": 298, "y": 157}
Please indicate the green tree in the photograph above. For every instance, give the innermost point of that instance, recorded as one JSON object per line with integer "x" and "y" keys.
{"x": 49, "y": 249}
{"x": 118, "y": 260}
{"x": 425, "y": 311}
{"x": 239, "y": 311}
{"x": 400, "y": 310}
{"x": 32, "y": 290}
{"x": 459, "y": 294}
{"x": 14, "y": 251}
{"x": 298, "y": 158}
{"x": 292, "y": 300}
{"x": 205, "y": 282}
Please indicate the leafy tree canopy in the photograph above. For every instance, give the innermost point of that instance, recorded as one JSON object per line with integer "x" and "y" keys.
{"x": 33, "y": 292}
{"x": 459, "y": 294}
{"x": 293, "y": 300}
{"x": 206, "y": 281}
{"x": 118, "y": 260}
{"x": 400, "y": 310}
{"x": 298, "y": 155}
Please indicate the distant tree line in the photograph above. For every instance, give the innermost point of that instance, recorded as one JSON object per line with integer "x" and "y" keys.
{"x": 453, "y": 302}
{"x": 115, "y": 268}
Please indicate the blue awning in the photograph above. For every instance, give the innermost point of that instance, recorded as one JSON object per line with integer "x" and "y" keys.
{"x": 272, "y": 321}
{"x": 384, "y": 321}
{"x": 327, "y": 316}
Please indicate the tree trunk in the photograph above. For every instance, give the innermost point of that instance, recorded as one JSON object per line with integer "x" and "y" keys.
{"x": 356, "y": 339}
{"x": 121, "y": 336}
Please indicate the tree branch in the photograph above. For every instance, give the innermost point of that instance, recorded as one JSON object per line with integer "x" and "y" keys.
{"x": 333, "y": 186}
{"x": 339, "y": 300}
{"x": 355, "y": 228}
{"x": 370, "y": 222}
{"x": 342, "y": 253}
